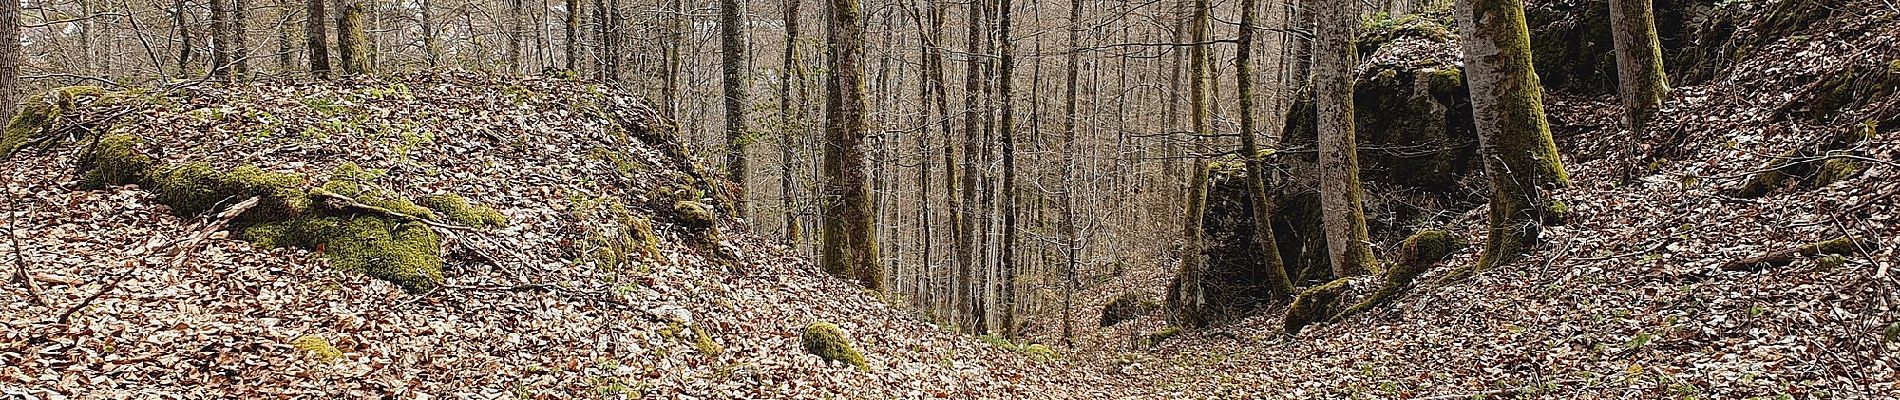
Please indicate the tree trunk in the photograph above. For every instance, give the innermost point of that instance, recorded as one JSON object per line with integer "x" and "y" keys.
{"x": 220, "y": 40}
{"x": 732, "y": 50}
{"x": 515, "y": 35}
{"x": 1277, "y": 282}
{"x": 1508, "y": 109}
{"x": 850, "y": 248}
{"x": 240, "y": 51}
{"x": 972, "y": 139}
{"x": 10, "y": 57}
{"x": 431, "y": 51}
{"x": 1642, "y": 83}
{"x": 1343, "y": 218}
{"x": 669, "y": 74}
{"x": 787, "y": 133}
{"x": 1071, "y": 239}
{"x": 1006, "y": 128}
{"x": 934, "y": 56}
{"x": 285, "y": 49}
{"x": 572, "y": 47}
{"x": 316, "y": 38}
{"x": 352, "y": 43}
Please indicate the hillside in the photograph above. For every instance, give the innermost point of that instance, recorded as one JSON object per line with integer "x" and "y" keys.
{"x": 558, "y": 301}
{"x": 464, "y": 235}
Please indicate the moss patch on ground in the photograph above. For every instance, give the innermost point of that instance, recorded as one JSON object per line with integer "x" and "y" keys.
{"x": 460, "y": 211}
{"x": 317, "y": 348}
{"x": 828, "y": 342}
{"x": 195, "y": 188}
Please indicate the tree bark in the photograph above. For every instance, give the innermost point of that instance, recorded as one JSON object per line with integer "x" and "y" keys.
{"x": 1006, "y": 128}
{"x": 316, "y": 38}
{"x": 1343, "y": 217}
{"x": 240, "y": 50}
{"x": 787, "y": 133}
{"x": 1642, "y": 84}
{"x": 571, "y": 24}
{"x": 850, "y": 236}
{"x": 10, "y": 57}
{"x": 1277, "y": 283}
{"x": 220, "y": 40}
{"x": 732, "y": 51}
{"x": 972, "y": 140}
{"x": 1508, "y": 109}
{"x": 352, "y": 43}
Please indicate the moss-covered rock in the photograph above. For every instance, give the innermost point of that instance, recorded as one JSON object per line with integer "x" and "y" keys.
{"x": 1155, "y": 338}
{"x": 317, "y": 348}
{"x": 1316, "y": 304}
{"x": 695, "y": 215}
{"x": 114, "y": 160}
{"x": 828, "y": 342}
{"x": 40, "y": 111}
{"x": 1128, "y": 306}
{"x": 1412, "y": 120}
{"x": 1836, "y": 169}
{"x": 407, "y": 254}
{"x": 1573, "y": 50}
{"x": 460, "y": 211}
{"x": 191, "y": 189}
{"x": 1381, "y": 28}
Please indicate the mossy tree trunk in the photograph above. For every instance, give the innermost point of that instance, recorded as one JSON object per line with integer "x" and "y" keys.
{"x": 1277, "y": 281}
{"x": 352, "y": 43}
{"x": 1187, "y": 297}
{"x": 1342, "y": 215}
{"x": 850, "y": 236}
{"x": 1507, "y": 107}
{"x": 316, "y": 37}
{"x": 732, "y": 51}
{"x": 1642, "y": 84}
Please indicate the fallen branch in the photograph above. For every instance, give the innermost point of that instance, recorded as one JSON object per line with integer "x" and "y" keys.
{"x": 1837, "y": 246}
{"x": 175, "y": 255}
{"x": 348, "y": 203}
{"x": 13, "y": 236}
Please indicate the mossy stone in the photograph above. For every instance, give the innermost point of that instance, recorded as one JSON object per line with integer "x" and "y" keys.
{"x": 1316, "y": 304}
{"x": 1418, "y": 252}
{"x": 694, "y": 215}
{"x": 828, "y": 342}
{"x": 407, "y": 254}
{"x": 1039, "y": 353}
{"x": 317, "y": 348}
{"x": 459, "y": 210}
{"x": 39, "y": 112}
{"x": 194, "y": 188}
{"x": 1836, "y": 169}
{"x": 1830, "y": 262}
{"x": 114, "y": 160}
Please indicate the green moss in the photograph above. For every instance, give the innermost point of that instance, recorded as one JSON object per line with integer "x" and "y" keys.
{"x": 703, "y": 342}
{"x": 1830, "y": 262}
{"x": 694, "y": 215}
{"x": 1837, "y": 169}
{"x": 38, "y": 112}
{"x": 1316, "y": 304}
{"x": 1418, "y": 252}
{"x": 1556, "y": 213}
{"x": 317, "y": 348}
{"x": 1447, "y": 84}
{"x": 194, "y": 188}
{"x": 1039, "y": 353}
{"x": 830, "y": 343}
{"x": 115, "y": 160}
{"x": 407, "y": 254}
{"x": 458, "y": 210}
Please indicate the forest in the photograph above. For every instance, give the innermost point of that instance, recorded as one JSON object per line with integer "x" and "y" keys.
{"x": 881, "y": 199}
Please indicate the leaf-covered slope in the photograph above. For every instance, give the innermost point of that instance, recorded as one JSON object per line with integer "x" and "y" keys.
{"x": 563, "y": 300}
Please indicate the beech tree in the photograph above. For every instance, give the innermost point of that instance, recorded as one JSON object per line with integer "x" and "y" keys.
{"x": 316, "y": 38}
{"x": 352, "y": 44}
{"x": 1344, "y": 219}
{"x": 1642, "y": 84}
{"x": 1520, "y": 159}
{"x": 1275, "y": 273}
{"x": 732, "y": 51}
{"x": 850, "y": 235}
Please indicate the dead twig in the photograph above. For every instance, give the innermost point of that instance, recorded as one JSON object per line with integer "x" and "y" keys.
{"x": 13, "y": 236}
{"x": 175, "y": 255}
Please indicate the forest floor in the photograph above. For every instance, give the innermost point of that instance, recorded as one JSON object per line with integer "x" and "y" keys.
{"x": 1628, "y": 300}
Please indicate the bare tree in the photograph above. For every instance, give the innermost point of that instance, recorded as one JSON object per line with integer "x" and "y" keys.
{"x": 1641, "y": 81}
{"x": 732, "y": 50}
{"x": 315, "y": 37}
{"x": 850, "y": 235}
{"x": 1277, "y": 281}
{"x": 1344, "y": 219}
